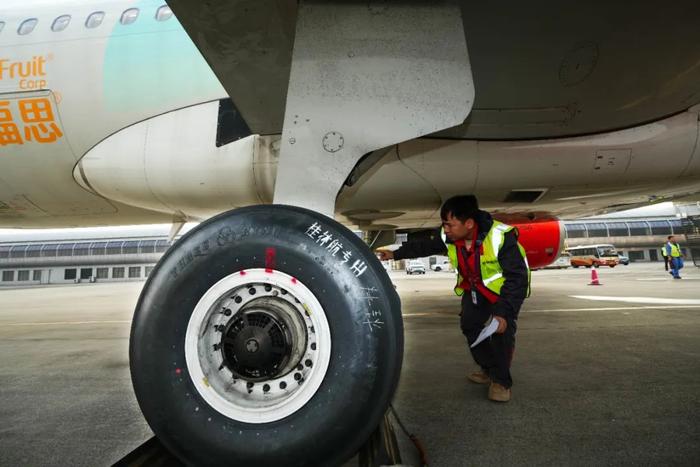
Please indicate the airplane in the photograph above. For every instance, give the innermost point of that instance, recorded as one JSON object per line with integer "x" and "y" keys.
{"x": 270, "y": 334}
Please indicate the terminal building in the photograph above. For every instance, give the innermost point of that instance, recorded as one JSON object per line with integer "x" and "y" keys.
{"x": 81, "y": 255}
{"x": 129, "y": 254}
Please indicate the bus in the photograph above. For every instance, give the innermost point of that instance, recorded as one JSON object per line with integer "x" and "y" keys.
{"x": 593, "y": 256}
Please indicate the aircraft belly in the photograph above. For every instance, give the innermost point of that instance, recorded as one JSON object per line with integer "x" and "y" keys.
{"x": 560, "y": 177}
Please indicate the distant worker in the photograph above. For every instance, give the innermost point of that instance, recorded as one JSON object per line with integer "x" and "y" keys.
{"x": 665, "y": 256}
{"x": 492, "y": 268}
{"x": 675, "y": 255}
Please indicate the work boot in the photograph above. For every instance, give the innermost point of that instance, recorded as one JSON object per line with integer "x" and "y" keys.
{"x": 479, "y": 377}
{"x": 499, "y": 393}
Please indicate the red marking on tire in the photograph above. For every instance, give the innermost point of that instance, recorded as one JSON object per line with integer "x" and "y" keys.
{"x": 242, "y": 273}
{"x": 294, "y": 281}
{"x": 270, "y": 254}
{"x": 178, "y": 371}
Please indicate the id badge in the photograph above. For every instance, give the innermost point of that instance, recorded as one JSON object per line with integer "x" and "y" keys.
{"x": 474, "y": 296}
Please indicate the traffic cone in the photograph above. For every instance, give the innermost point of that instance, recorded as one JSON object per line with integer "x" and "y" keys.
{"x": 594, "y": 277}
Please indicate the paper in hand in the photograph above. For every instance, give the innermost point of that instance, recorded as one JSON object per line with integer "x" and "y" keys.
{"x": 488, "y": 331}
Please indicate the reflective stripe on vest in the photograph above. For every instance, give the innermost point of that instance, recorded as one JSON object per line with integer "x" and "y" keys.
{"x": 489, "y": 267}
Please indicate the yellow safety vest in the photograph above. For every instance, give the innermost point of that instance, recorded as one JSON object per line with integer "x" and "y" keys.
{"x": 663, "y": 251}
{"x": 490, "y": 268}
{"x": 675, "y": 250}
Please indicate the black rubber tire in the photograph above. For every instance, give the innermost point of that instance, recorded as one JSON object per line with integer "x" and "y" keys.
{"x": 365, "y": 361}
{"x": 438, "y": 269}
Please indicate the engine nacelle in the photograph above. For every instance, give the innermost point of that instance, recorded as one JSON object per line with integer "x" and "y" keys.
{"x": 543, "y": 240}
{"x": 170, "y": 164}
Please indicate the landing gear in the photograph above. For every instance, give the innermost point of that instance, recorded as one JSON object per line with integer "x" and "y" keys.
{"x": 261, "y": 329}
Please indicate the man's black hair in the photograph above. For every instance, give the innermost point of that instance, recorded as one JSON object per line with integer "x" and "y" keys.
{"x": 462, "y": 207}
{"x": 670, "y": 237}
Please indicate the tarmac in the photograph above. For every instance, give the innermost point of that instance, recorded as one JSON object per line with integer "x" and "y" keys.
{"x": 606, "y": 375}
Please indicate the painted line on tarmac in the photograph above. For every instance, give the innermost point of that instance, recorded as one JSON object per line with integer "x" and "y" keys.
{"x": 66, "y": 323}
{"x": 649, "y": 300}
{"x": 617, "y": 308}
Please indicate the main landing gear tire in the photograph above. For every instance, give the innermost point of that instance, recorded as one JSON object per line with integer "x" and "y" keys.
{"x": 266, "y": 336}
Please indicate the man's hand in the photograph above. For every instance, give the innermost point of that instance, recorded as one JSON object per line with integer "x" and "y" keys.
{"x": 502, "y": 324}
{"x": 384, "y": 255}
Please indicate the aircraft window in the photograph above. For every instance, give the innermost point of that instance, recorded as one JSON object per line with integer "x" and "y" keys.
{"x": 2, "y": 25}
{"x": 60, "y": 23}
{"x": 27, "y": 26}
{"x": 129, "y": 16}
{"x": 164, "y": 13}
{"x": 95, "y": 19}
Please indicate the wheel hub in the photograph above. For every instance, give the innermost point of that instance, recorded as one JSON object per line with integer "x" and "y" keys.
{"x": 257, "y": 344}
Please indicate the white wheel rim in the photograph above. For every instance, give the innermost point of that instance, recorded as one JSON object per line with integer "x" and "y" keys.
{"x": 267, "y": 400}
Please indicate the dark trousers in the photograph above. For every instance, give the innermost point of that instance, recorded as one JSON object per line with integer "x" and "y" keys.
{"x": 666, "y": 262}
{"x": 494, "y": 355}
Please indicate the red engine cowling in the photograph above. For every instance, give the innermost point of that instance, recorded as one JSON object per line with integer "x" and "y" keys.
{"x": 543, "y": 240}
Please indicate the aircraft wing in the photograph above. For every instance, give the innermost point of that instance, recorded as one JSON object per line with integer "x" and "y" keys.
{"x": 553, "y": 70}
{"x": 248, "y": 44}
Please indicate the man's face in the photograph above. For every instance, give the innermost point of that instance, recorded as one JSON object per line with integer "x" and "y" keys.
{"x": 456, "y": 229}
